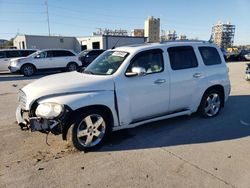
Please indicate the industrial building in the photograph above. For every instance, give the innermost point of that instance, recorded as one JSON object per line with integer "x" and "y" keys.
{"x": 152, "y": 29}
{"x": 223, "y": 34}
{"x": 108, "y": 41}
{"x": 137, "y": 33}
{"x": 44, "y": 42}
{"x": 76, "y": 44}
{"x": 169, "y": 35}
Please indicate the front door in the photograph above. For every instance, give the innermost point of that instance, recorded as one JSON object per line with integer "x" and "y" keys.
{"x": 44, "y": 60}
{"x": 143, "y": 97}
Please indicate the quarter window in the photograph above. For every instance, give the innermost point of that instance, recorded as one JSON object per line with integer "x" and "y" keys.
{"x": 210, "y": 55}
{"x": 151, "y": 61}
{"x": 182, "y": 57}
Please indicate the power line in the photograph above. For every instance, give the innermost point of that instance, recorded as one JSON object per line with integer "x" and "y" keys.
{"x": 21, "y": 12}
{"x": 23, "y": 21}
{"x": 21, "y": 3}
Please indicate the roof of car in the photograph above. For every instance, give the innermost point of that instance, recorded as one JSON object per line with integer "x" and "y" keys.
{"x": 145, "y": 46}
{"x": 56, "y": 49}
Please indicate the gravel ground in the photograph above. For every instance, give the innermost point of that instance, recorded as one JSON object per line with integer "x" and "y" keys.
{"x": 179, "y": 152}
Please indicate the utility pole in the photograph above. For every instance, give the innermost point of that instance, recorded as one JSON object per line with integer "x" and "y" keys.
{"x": 47, "y": 12}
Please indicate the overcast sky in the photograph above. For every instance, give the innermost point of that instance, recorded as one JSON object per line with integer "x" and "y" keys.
{"x": 194, "y": 18}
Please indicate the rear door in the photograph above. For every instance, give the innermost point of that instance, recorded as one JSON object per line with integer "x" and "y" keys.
{"x": 62, "y": 58}
{"x": 186, "y": 75}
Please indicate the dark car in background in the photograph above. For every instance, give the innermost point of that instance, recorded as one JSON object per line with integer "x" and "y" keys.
{"x": 87, "y": 56}
{"x": 243, "y": 55}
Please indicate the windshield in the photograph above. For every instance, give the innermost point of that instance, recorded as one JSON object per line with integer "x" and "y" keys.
{"x": 107, "y": 63}
{"x": 83, "y": 53}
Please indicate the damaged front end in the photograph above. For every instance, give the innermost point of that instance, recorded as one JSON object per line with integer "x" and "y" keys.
{"x": 43, "y": 117}
{"x": 37, "y": 123}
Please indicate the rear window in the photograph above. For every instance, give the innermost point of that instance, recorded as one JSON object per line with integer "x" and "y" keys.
{"x": 2, "y": 55}
{"x": 11, "y": 54}
{"x": 25, "y": 53}
{"x": 210, "y": 55}
{"x": 182, "y": 57}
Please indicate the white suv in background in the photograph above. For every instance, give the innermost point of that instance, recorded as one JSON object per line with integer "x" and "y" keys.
{"x": 126, "y": 87}
{"x": 7, "y": 54}
{"x": 52, "y": 59}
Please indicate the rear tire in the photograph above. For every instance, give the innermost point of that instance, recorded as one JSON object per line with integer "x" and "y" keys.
{"x": 211, "y": 104}
{"x": 89, "y": 130}
{"x": 28, "y": 70}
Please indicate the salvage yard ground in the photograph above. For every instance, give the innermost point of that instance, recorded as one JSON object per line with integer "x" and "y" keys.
{"x": 180, "y": 152}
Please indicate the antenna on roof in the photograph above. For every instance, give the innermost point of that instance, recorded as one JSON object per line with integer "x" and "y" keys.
{"x": 115, "y": 44}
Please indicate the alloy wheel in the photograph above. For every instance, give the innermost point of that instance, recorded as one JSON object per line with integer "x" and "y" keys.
{"x": 91, "y": 130}
{"x": 213, "y": 104}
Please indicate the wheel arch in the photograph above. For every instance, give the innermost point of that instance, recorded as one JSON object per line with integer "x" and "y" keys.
{"x": 69, "y": 121}
{"x": 73, "y": 62}
{"x": 216, "y": 87}
{"x": 28, "y": 64}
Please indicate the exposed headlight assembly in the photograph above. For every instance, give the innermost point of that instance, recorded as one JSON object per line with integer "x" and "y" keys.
{"x": 13, "y": 63}
{"x": 49, "y": 110}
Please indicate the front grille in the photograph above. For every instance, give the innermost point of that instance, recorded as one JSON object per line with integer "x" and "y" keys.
{"x": 22, "y": 99}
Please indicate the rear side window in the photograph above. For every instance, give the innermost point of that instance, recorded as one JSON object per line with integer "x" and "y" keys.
{"x": 2, "y": 55}
{"x": 62, "y": 53}
{"x": 182, "y": 57}
{"x": 210, "y": 55}
{"x": 11, "y": 54}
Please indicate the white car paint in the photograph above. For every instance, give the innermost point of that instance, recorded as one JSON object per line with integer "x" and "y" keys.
{"x": 134, "y": 100}
{"x": 44, "y": 62}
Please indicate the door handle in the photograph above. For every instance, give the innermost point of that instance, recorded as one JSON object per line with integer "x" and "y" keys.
{"x": 197, "y": 75}
{"x": 160, "y": 81}
{"x": 6, "y": 60}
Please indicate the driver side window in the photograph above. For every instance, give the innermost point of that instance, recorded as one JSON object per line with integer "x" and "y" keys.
{"x": 42, "y": 55}
{"x": 151, "y": 61}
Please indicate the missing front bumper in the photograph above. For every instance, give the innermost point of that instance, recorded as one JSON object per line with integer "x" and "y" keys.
{"x": 35, "y": 123}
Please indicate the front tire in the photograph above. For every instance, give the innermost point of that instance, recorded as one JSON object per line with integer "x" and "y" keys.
{"x": 211, "y": 104}
{"x": 28, "y": 70}
{"x": 72, "y": 67}
{"x": 89, "y": 130}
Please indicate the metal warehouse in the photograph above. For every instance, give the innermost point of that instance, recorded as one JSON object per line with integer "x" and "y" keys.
{"x": 76, "y": 44}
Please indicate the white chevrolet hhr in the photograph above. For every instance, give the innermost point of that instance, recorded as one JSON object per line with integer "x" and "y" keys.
{"x": 126, "y": 87}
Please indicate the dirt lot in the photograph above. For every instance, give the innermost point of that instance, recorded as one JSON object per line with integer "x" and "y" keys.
{"x": 180, "y": 152}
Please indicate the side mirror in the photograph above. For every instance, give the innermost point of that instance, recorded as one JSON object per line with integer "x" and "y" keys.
{"x": 38, "y": 56}
{"x": 137, "y": 71}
